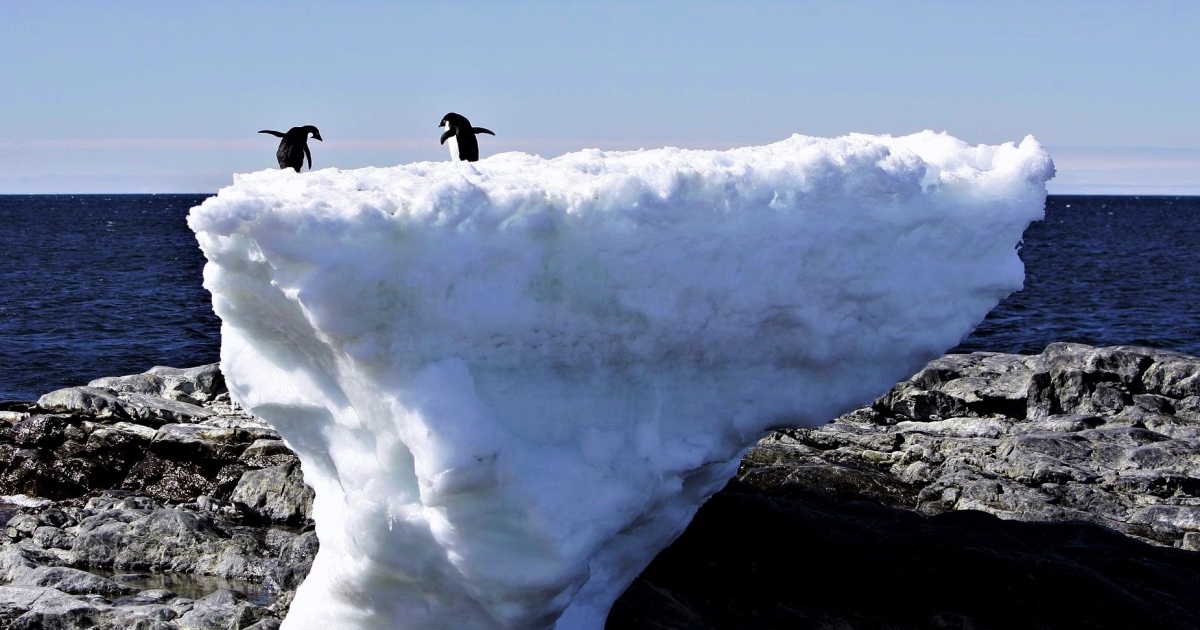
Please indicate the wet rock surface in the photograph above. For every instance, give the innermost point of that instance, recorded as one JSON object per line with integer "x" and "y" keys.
{"x": 1060, "y": 490}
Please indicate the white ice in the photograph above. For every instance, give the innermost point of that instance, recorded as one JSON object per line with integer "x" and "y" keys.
{"x": 512, "y": 382}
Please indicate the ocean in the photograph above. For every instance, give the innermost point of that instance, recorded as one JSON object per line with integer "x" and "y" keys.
{"x": 107, "y": 285}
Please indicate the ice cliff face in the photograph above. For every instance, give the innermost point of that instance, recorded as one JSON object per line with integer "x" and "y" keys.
{"x": 512, "y": 382}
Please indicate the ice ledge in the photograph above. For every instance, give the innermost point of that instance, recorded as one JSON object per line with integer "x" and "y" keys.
{"x": 512, "y": 382}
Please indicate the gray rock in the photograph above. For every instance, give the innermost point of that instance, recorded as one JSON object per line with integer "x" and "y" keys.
{"x": 1171, "y": 520}
{"x": 1076, "y": 433}
{"x": 55, "y": 517}
{"x": 21, "y": 526}
{"x": 1173, "y": 375}
{"x": 130, "y": 506}
{"x": 221, "y": 610}
{"x": 13, "y": 417}
{"x": 100, "y": 539}
{"x": 15, "y": 560}
{"x": 172, "y": 540}
{"x": 41, "y": 608}
{"x": 153, "y": 596}
{"x": 277, "y": 494}
{"x": 265, "y": 453}
{"x": 71, "y": 581}
{"x": 52, "y": 538}
{"x": 295, "y": 560}
{"x": 145, "y": 617}
{"x": 155, "y": 411}
{"x": 47, "y": 431}
{"x": 192, "y": 442}
{"x": 87, "y": 401}
{"x": 201, "y": 383}
{"x": 149, "y": 384}
{"x": 172, "y": 480}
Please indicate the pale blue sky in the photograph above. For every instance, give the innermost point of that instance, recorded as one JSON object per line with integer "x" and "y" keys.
{"x": 167, "y": 96}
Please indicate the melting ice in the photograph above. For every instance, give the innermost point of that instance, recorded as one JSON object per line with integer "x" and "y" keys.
{"x": 512, "y": 382}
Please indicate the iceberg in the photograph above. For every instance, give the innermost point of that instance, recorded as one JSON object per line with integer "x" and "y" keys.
{"x": 512, "y": 382}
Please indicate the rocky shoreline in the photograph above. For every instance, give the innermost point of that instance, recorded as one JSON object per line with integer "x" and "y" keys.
{"x": 150, "y": 502}
{"x": 1059, "y": 490}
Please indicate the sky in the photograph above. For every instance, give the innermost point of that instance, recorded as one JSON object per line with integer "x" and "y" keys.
{"x": 168, "y": 96}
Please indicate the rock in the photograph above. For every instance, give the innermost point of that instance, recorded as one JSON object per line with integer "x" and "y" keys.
{"x": 13, "y": 417}
{"x": 141, "y": 618}
{"x": 266, "y": 453}
{"x": 115, "y": 449}
{"x": 149, "y": 384}
{"x": 850, "y": 562}
{"x": 1169, "y": 522}
{"x": 295, "y": 560}
{"x": 52, "y": 538}
{"x": 16, "y": 560}
{"x": 221, "y": 610}
{"x": 168, "y": 480}
{"x": 167, "y": 540}
{"x": 1173, "y": 375}
{"x": 153, "y": 596}
{"x": 277, "y": 494}
{"x": 55, "y": 517}
{"x": 142, "y": 433}
{"x": 46, "y": 431}
{"x": 227, "y": 509}
{"x": 1058, "y": 436}
{"x": 202, "y": 383}
{"x": 71, "y": 581}
{"x": 155, "y": 411}
{"x": 85, "y": 401}
{"x": 172, "y": 540}
{"x": 38, "y": 473}
{"x": 206, "y": 445}
{"x": 1074, "y": 378}
{"x": 21, "y": 526}
{"x": 189, "y": 460}
{"x": 41, "y": 608}
{"x": 264, "y": 624}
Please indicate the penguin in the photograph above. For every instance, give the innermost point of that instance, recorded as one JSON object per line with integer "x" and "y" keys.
{"x": 294, "y": 146}
{"x": 465, "y": 147}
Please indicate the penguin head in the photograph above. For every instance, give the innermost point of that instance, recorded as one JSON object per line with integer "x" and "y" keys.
{"x": 313, "y": 130}
{"x": 452, "y": 122}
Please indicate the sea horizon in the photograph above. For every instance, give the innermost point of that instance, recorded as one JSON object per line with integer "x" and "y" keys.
{"x": 109, "y": 284}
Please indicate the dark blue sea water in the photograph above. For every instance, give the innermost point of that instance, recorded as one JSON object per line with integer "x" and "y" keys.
{"x": 1104, "y": 271}
{"x": 105, "y": 285}
{"x": 99, "y": 285}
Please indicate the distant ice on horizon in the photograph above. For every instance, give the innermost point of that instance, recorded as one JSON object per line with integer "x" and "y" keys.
{"x": 512, "y": 382}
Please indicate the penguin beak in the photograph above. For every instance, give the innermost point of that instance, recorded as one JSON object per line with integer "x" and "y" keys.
{"x": 317, "y": 136}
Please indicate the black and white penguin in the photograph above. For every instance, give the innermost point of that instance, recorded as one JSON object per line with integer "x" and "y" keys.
{"x": 465, "y": 146}
{"x": 294, "y": 146}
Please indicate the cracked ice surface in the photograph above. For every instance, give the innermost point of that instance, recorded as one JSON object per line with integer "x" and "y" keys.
{"x": 512, "y": 382}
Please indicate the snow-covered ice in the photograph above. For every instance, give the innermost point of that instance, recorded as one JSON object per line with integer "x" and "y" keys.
{"x": 512, "y": 382}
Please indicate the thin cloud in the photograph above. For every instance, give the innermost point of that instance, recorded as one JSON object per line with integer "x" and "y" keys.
{"x": 256, "y": 143}
{"x": 195, "y": 144}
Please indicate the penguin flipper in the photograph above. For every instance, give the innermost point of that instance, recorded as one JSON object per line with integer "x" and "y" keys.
{"x": 308, "y": 155}
{"x": 482, "y": 130}
{"x": 273, "y": 133}
{"x": 446, "y": 136}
